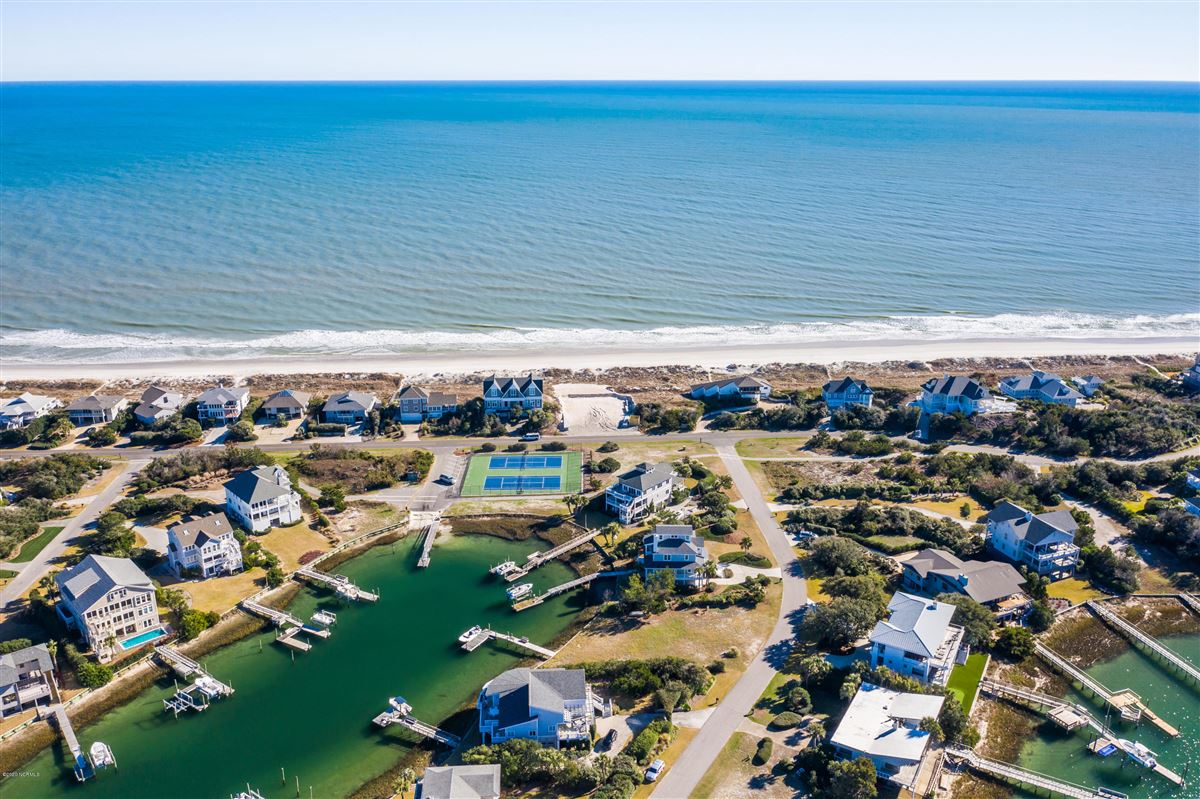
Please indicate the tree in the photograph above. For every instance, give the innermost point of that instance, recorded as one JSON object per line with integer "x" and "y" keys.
{"x": 573, "y": 502}
{"x": 708, "y": 571}
{"x": 809, "y": 668}
{"x": 839, "y": 623}
{"x": 834, "y": 555}
{"x": 1040, "y": 617}
{"x": 650, "y": 595}
{"x": 746, "y": 543}
{"x": 850, "y": 686}
{"x": 964, "y": 510}
{"x": 606, "y": 465}
{"x": 975, "y": 619}
{"x": 930, "y": 725}
{"x": 953, "y": 721}
{"x": 1016, "y": 643}
{"x": 851, "y": 779}
{"x": 798, "y": 700}
{"x": 611, "y": 531}
{"x": 113, "y": 535}
{"x": 332, "y": 496}
{"x": 275, "y": 576}
{"x": 101, "y": 437}
{"x": 404, "y": 781}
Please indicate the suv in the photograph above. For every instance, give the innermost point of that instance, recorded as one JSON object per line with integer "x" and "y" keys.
{"x": 532, "y": 437}
{"x": 655, "y": 769}
{"x": 446, "y": 479}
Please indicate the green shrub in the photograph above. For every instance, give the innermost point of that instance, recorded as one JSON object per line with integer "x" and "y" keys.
{"x": 554, "y": 446}
{"x": 786, "y": 720}
{"x": 488, "y": 447}
{"x": 608, "y": 446}
{"x": 650, "y": 740}
{"x": 746, "y": 558}
{"x": 606, "y": 465}
{"x": 763, "y": 753}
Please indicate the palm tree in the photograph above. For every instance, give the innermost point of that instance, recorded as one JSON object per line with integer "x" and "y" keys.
{"x": 708, "y": 571}
{"x": 611, "y": 531}
{"x": 746, "y": 543}
{"x": 404, "y": 781}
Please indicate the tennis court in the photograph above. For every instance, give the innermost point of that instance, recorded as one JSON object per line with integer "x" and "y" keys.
{"x": 532, "y": 473}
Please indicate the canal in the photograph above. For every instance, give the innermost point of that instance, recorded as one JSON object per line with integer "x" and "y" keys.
{"x": 312, "y": 717}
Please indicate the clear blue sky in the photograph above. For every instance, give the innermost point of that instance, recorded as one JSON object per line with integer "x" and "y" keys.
{"x": 348, "y": 40}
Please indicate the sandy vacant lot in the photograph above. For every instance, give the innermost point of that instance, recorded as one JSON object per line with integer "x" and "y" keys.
{"x": 589, "y": 408}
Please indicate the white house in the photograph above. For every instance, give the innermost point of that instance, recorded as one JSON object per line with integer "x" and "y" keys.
{"x": 641, "y": 490}
{"x": 26, "y": 680}
{"x": 1045, "y": 542}
{"x": 551, "y": 706}
{"x": 109, "y": 602}
{"x": 157, "y": 404}
{"x": 1041, "y": 386}
{"x": 847, "y": 391}
{"x": 500, "y": 394}
{"x": 96, "y": 409}
{"x": 884, "y": 726}
{"x": 1088, "y": 384}
{"x": 206, "y": 546}
{"x": 992, "y": 583}
{"x": 742, "y": 389}
{"x": 417, "y": 404}
{"x": 287, "y": 403}
{"x": 460, "y": 782}
{"x": 19, "y": 411}
{"x": 675, "y": 548}
{"x": 222, "y": 405}
{"x": 261, "y": 498}
{"x": 349, "y": 407}
{"x": 948, "y": 394}
{"x": 917, "y": 639}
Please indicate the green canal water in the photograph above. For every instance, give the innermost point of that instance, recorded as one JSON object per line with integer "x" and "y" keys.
{"x": 312, "y": 717}
{"x": 1065, "y": 755}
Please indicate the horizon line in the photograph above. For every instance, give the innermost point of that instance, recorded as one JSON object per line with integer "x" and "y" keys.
{"x": 562, "y": 81}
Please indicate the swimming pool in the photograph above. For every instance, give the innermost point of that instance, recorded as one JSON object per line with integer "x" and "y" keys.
{"x": 138, "y": 640}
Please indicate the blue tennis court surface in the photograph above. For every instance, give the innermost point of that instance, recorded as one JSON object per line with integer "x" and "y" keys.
{"x": 523, "y": 482}
{"x": 525, "y": 462}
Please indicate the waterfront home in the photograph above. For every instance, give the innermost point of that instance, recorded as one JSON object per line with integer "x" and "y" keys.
{"x": 261, "y": 498}
{"x": 993, "y": 584}
{"x": 847, "y": 391}
{"x": 26, "y": 679}
{"x": 221, "y": 405}
{"x": 550, "y": 706}
{"x": 156, "y": 404}
{"x": 1041, "y": 386}
{"x": 1193, "y": 478}
{"x": 108, "y": 602}
{"x": 349, "y": 407}
{"x": 417, "y": 404}
{"x": 736, "y": 389}
{"x": 460, "y": 782}
{"x": 96, "y": 409}
{"x": 1045, "y": 543}
{"x": 287, "y": 403}
{"x": 19, "y": 411}
{"x": 949, "y": 393}
{"x": 204, "y": 546}
{"x": 641, "y": 490}
{"x": 884, "y": 726}
{"x": 1191, "y": 376}
{"x": 675, "y": 548}
{"x": 917, "y": 639}
{"x": 1088, "y": 384}
{"x": 502, "y": 393}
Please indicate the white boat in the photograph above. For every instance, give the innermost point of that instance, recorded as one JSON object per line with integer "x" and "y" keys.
{"x": 324, "y": 617}
{"x": 1140, "y": 753}
{"x": 507, "y": 567}
{"x": 518, "y": 591}
{"x": 101, "y": 755}
{"x": 469, "y": 634}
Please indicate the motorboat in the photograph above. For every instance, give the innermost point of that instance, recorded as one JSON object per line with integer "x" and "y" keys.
{"x": 504, "y": 569}
{"x": 101, "y": 755}
{"x": 1140, "y": 753}
{"x": 469, "y": 634}
{"x": 519, "y": 591}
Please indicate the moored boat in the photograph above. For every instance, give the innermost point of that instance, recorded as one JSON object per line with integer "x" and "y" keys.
{"x": 503, "y": 569}
{"x": 469, "y": 634}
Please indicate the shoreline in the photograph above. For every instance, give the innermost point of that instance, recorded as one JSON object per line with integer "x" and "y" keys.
{"x": 433, "y": 364}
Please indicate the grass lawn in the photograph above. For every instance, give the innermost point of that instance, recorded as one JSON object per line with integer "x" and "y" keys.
{"x": 1075, "y": 590}
{"x": 768, "y": 705}
{"x": 733, "y": 774}
{"x": 772, "y": 447}
{"x": 33, "y": 546}
{"x": 1137, "y": 505}
{"x": 289, "y": 543}
{"x": 219, "y": 594}
{"x": 952, "y": 508}
{"x": 888, "y": 543}
{"x": 481, "y": 469}
{"x": 964, "y": 679}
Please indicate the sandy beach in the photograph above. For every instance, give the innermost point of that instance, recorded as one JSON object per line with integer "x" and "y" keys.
{"x": 441, "y": 365}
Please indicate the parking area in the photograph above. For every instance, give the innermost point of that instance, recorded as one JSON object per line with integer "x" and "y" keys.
{"x": 535, "y": 473}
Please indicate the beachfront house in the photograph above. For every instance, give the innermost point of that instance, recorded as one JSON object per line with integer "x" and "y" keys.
{"x": 26, "y": 680}
{"x": 205, "y": 546}
{"x": 262, "y": 498}
{"x": 642, "y": 490}
{"x": 96, "y": 409}
{"x": 501, "y": 394}
{"x": 19, "y": 411}
{"x": 1191, "y": 376}
{"x": 156, "y": 404}
{"x": 917, "y": 639}
{"x": 460, "y": 782}
{"x": 416, "y": 404}
{"x": 675, "y": 548}
{"x": 1041, "y": 386}
{"x": 732, "y": 389}
{"x": 847, "y": 391}
{"x": 288, "y": 404}
{"x": 221, "y": 405}
{"x": 1088, "y": 384}
{"x": 949, "y": 393}
{"x": 884, "y": 726}
{"x": 1045, "y": 542}
{"x": 109, "y": 602}
{"x": 550, "y": 706}
{"x": 993, "y": 584}
{"x": 349, "y": 407}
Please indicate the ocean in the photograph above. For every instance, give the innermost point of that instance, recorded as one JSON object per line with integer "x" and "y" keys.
{"x": 163, "y": 221}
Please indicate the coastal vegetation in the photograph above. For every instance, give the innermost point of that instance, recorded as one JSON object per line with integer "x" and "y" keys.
{"x": 881, "y": 526}
{"x": 356, "y": 471}
{"x": 53, "y": 477}
{"x": 194, "y": 463}
{"x": 653, "y": 417}
{"x": 44, "y": 432}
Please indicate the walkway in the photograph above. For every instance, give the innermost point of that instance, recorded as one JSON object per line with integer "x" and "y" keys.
{"x": 543, "y": 557}
{"x": 83, "y": 769}
{"x": 1011, "y": 773}
{"x": 1145, "y": 640}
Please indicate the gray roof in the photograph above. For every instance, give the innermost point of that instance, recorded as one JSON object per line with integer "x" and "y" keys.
{"x": 93, "y": 577}
{"x": 676, "y": 539}
{"x": 412, "y": 392}
{"x": 197, "y": 532}
{"x": 983, "y": 581}
{"x": 256, "y": 485}
{"x": 432, "y": 397}
{"x": 461, "y": 782}
{"x": 915, "y": 625}
{"x": 522, "y": 382}
{"x": 351, "y": 401}
{"x": 744, "y": 381}
{"x": 155, "y": 394}
{"x": 522, "y": 692}
{"x": 1044, "y": 382}
{"x": 220, "y": 395}
{"x": 645, "y": 476}
{"x": 954, "y": 386}
{"x": 95, "y": 402}
{"x": 844, "y": 385}
{"x": 11, "y": 660}
{"x": 1033, "y": 529}
{"x": 288, "y": 399}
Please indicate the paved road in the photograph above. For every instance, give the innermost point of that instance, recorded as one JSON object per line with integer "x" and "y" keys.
{"x": 687, "y": 771}
{"x": 33, "y": 571}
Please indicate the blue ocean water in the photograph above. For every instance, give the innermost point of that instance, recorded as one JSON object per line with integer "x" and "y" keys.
{"x": 153, "y": 221}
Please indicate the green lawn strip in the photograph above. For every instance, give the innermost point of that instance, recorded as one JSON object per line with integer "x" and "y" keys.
{"x": 31, "y": 548}
{"x": 770, "y": 704}
{"x": 964, "y": 679}
{"x": 739, "y": 747}
{"x": 6, "y": 574}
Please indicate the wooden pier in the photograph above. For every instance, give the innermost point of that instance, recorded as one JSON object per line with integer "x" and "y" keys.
{"x": 290, "y": 626}
{"x": 484, "y": 635}
{"x": 57, "y": 715}
{"x": 339, "y": 583}
{"x": 401, "y": 714}
{"x": 1190, "y": 601}
{"x": 1025, "y": 777}
{"x": 561, "y": 588}
{"x": 427, "y": 536}
{"x": 1145, "y": 640}
{"x": 278, "y": 617}
{"x": 542, "y": 558}
{"x": 200, "y": 692}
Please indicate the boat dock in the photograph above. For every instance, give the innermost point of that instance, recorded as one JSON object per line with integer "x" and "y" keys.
{"x": 401, "y": 714}
{"x": 541, "y": 558}
{"x": 278, "y": 617}
{"x": 339, "y": 583}
{"x": 1145, "y": 640}
{"x": 1126, "y": 702}
{"x": 200, "y": 692}
{"x": 292, "y": 626}
{"x": 1031, "y": 779}
{"x": 58, "y": 716}
{"x": 1190, "y": 601}
{"x": 569, "y": 585}
{"x": 427, "y": 536}
{"x": 484, "y": 635}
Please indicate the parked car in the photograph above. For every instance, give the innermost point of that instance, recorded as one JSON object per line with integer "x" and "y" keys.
{"x": 447, "y": 479}
{"x": 656, "y": 768}
{"x": 610, "y": 738}
{"x": 532, "y": 437}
